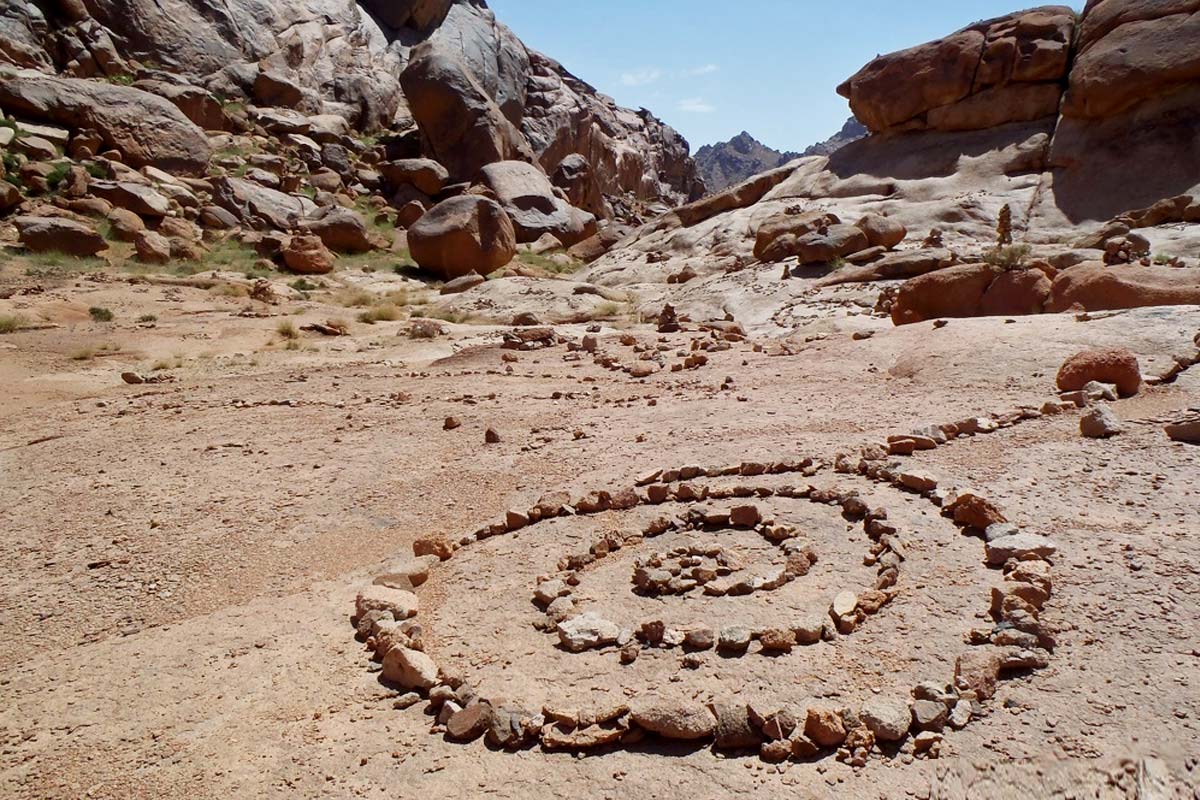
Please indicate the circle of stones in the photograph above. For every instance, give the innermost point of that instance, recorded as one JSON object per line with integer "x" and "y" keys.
{"x": 1018, "y": 641}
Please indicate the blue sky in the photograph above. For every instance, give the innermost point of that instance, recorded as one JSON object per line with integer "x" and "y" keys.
{"x": 712, "y": 69}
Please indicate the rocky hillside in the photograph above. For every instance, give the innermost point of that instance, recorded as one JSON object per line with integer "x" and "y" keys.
{"x": 222, "y": 62}
{"x": 1071, "y": 135}
{"x": 852, "y": 131}
{"x": 726, "y": 164}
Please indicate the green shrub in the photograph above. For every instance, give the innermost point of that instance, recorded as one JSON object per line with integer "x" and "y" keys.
{"x": 12, "y": 322}
{"x": 1007, "y": 256}
{"x": 99, "y": 314}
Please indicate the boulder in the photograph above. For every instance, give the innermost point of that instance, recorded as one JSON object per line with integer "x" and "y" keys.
{"x": 10, "y": 196}
{"x": 420, "y": 15}
{"x": 888, "y": 719}
{"x": 821, "y": 248}
{"x": 125, "y": 225}
{"x": 152, "y": 248}
{"x": 58, "y": 235}
{"x": 586, "y": 632}
{"x": 776, "y": 238}
{"x": 462, "y": 125}
{"x": 252, "y": 203}
{"x": 135, "y": 197}
{"x": 340, "y": 229}
{"x": 425, "y": 174}
{"x": 144, "y": 128}
{"x": 527, "y": 196}
{"x": 1130, "y": 50}
{"x": 1002, "y": 70}
{"x": 1105, "y": 365}
{"x": 952, "y": 292}
{"x": 1100, "y": 423}
{"x": 1016, "y": 292}
{"x": 882, "y": 231}
{"x": 906, "y": 264}
{"x": 1093, "y": 286}
{"x": 462, "y": 235}
{"x": 307, "y": 255}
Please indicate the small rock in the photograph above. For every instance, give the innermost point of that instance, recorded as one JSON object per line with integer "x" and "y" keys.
{"x": 673, "y": 718}
{"x": 1100, "y": 423}
{"x": 586, "y": 632}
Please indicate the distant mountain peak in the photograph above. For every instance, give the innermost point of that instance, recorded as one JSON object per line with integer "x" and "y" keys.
{"x": 726, "y": 164}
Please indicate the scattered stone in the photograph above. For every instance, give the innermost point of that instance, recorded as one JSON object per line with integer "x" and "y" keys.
{"x": 673, "y": 718}
{"x": 888, "y": 719}
{"x": 586, "y": 632}
{"x": 1100, "y": 423}
{"x": 400, "y": 603}
{"x": 824, "y": 725}
{"x": 733, "y": 640}
{"x": 1019, "y": 546}
{"x": 410, "y": 669}
{"x": 433, "y": 545}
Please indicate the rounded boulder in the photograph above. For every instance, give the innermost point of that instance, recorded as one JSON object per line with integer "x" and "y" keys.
{"x": 1105, "y": 365}
{"x": 464, "y": 234}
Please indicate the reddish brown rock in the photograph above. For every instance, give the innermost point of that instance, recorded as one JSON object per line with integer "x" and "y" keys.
{"x": 952, "y": 292}
{"x": 307, "y": 255}
{"x": 1015, "y": 293}
{"x": 1106, "y": 365}
{"x": 1092, "y": 286}
{"x": 462, "y": 235}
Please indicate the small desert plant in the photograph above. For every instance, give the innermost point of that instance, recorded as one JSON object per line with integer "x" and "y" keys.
{"x": 12, "y": 322}
{"x": 160, "y": 365}
{"x": 84, "y": 354}
{"x": 1007, "y": 256}
{"x": 301, "y": 285}
{"x": 605, "y": 310}
{"x": 145, "y": 318}
{"x": 58, "y": 173}
{"x": 424, "y": 329}
{"x": 356, "y": 298}
{"x": 287, "y": 329}
{"x": 446, "y": 315}
{"x": 379, "y": 314}
{"x": 100, "y": 314}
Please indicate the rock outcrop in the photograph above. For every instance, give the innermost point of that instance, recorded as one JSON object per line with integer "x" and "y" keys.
{"x": 1009, "y": 69}
{"x": 474, "y": 89}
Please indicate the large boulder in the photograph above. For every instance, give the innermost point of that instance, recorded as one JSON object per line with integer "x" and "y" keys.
{"x": 340, "y": 229}
{"x": 1093, "y": 286}
{"x": 1016, "y": 292}
{"x": 1130, "y": 50}
{"x": 776, "y": 237}
{"x": 952, "y": 292}
{"x": 1002, "y": 70}
{"x": 260, "y": 206}
{"x": 58, "y": 235}
{"x": 835, "y": 242}
{"x": 462, "y": 125}
{"x": 307, "y": 255}
{"x": 145, "y": 128}
{"x": 135, "y": 197}
{"x": 426, "y": 175}
{"x": 421, "y": 15}
{"x": 464, "y": 234}
{"x": 526, "y": 195}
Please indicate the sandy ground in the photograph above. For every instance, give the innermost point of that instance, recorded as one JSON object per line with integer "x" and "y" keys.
{"x": 179, "y": 560}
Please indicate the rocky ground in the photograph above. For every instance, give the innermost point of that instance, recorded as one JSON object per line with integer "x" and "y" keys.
{"x": 183, "y": 556}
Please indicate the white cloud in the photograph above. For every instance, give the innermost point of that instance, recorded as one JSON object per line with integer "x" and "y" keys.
{"x": 696, "y": 105}
{"x": 706, "y": 69}
{"x": 641, "y": 77}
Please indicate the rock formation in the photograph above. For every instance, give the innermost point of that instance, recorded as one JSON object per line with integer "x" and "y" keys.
{"x": 1097, "y": 140}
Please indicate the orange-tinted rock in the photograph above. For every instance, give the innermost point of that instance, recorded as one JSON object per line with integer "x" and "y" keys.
{"x": 1108, "y": 365}
{"x": 1016, "y": 292}
{"x": 1095, "y": 287}
{"x": 952, "y": 292}
{"x": 462, "y": 235}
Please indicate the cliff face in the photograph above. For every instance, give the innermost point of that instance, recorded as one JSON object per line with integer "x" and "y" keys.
{"x": 344, "y": 58}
